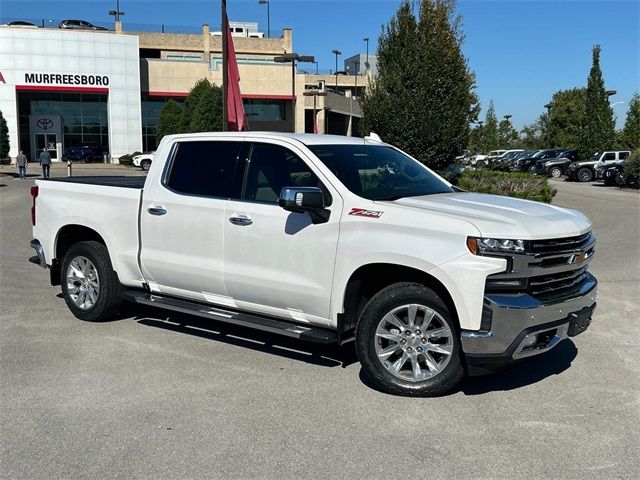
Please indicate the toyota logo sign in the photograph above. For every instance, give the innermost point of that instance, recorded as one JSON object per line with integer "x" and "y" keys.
{"x": 45, "y": 123}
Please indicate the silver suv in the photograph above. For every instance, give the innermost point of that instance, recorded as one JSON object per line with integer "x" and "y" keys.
{"x": 79, "y": 25}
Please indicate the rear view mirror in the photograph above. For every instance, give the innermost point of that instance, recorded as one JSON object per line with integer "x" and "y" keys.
{"x": 304, "y": 199}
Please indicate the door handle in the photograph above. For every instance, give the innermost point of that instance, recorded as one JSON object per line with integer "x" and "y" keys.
{"x": 156, "y": 210}
{"x": 241, "y": 220}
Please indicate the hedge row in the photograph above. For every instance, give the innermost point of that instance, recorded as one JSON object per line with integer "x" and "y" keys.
{"x": 519, "y": 185}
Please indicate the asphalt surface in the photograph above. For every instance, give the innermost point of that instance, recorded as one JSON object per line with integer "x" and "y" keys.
{"x": 158, "y": 395}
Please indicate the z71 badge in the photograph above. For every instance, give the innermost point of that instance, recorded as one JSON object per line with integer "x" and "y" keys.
{"x": 363, "y": 212}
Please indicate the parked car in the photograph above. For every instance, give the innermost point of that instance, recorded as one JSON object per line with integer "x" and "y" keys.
{"x": 613, "y": 174}
{"x": 143, "y": 160}
{"x": 586, "y": 171}
{"x": 325, "y": 239}
{"x": 555, "y": 167}
{"x": 528, "y": 164}
{"x": 503, "y": 162}
{"x": 79, "y": 25}
{"x": 86, "y": 152}
{"x": 19, "y": 23}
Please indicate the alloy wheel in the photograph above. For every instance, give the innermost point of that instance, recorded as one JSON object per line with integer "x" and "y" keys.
{"x": 83, "y": 284}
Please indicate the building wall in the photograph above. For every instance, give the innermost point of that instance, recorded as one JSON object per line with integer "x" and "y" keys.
{"x": 25, "y": 51}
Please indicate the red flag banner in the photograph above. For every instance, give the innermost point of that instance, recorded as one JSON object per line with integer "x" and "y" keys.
{"x": 235, "y": 109}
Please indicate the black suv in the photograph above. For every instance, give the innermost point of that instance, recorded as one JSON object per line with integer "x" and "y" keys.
{"x": 555, "y": 167}
{"x": 529, "y": 164}
{"x": 86, "y": 152}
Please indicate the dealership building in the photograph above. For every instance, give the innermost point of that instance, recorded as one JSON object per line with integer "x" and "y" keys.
{"x": 60, "y": 88}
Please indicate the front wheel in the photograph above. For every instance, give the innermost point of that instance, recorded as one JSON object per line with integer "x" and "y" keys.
{"x": 90, "y": 286}
{"x": 556, "y": 172}
{"x": 585, "y": 175}
{"x": 532, "y": 170}
{"x": 145, "y": 165}
{"x": 407, "y": 342}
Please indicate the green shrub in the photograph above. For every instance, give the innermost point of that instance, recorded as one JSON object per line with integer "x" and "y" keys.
{"x": 519, "y": 185}
{"x": 632, "y": 169}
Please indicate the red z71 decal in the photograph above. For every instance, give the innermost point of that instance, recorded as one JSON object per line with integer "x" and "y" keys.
{"x": 363, "y": 212}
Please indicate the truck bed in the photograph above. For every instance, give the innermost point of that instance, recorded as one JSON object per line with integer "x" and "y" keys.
{"x": 124, "y": 181}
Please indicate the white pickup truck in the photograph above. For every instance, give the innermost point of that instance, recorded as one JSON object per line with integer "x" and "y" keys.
{"x": 327, "y": 239}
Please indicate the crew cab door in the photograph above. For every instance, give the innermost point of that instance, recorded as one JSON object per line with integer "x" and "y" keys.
{"x": 278, "y": 262}
{"x": 182, "y": 219}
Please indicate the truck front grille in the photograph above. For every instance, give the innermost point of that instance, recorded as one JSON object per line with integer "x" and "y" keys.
{"x": 559, "y": 245}
{"x": 557, "y": 286}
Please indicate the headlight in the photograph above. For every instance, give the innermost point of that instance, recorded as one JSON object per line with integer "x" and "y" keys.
{"x": 479, "y": 246}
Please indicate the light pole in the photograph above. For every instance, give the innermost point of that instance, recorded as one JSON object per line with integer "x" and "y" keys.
{"x": 336, "y": 53}
{"x": 116, "y": 13}
{"x": 610, "y": 93}
{"x": 548, "y": 107}
{"x": 266, "y": 2}
{"x": 315, "y": 94}
{"x": 366, "y": 63}
{"x": 293, "y": 57}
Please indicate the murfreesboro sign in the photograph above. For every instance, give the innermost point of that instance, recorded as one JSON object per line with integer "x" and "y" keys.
{"x": 66, "y": 79}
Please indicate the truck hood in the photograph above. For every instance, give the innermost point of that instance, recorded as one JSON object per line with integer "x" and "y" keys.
{"x": 504, "y": 217}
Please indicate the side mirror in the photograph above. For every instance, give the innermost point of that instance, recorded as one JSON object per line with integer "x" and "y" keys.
{"x": 305, "y": 199}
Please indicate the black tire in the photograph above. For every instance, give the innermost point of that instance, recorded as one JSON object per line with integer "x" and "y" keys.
{"x": 109, "y": 295}
{"x": 555, "y": 172}
{"x": 532, "y": 169}
{"x": 385, "y": 301}
{"x": 620, "y": 179}
{"x": 584, "y": 174}
{"x": 145, "y": 165}
{"x": 481, "y": 164}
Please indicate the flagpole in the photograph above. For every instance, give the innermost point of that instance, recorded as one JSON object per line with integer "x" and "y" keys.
{"x": 225, "y": 61}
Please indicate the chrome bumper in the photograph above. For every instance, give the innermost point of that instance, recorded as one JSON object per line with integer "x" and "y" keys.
{"x": 515, "y": 318}
{"x": 38, "y": 259}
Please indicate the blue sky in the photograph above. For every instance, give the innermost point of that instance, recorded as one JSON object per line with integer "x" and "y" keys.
{"x": 520, "y": 50}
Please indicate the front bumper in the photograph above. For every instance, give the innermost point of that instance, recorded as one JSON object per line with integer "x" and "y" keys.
{"x": 517, "y": 320}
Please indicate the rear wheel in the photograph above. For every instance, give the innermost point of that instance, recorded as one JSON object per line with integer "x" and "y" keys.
{"x": 620, "y": 179}
{"x": 481, "y": 164}
{"x": 90, "y": 286}
{"x": 555, "y": 172}
{"x": 532, "y": 169}
{"x": 407, "y": 342}
{"x": 585, "y": 174}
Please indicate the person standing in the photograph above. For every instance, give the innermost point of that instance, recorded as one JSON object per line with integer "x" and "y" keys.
{"x": 45, "y": 161}
{"x": 21, "y": 161}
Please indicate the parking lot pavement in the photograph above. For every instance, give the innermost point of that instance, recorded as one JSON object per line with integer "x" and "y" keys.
{"x": 158, "y": 395}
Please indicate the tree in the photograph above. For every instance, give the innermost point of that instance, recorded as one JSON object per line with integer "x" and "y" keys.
{"x": 630, "y": 135}
{"x": 171, "y": 120}
{"x": 598, "y": 128}
{"x": 4, "y": 138}
{"x": 475, "y": 138}
{"x": 423, "y": 97}
{"x": 534, "y": 136}
{"x": 490, "y": 130}
{"x": 207, "y": 115}
{"x": 567, "y": 117}
{"x": 507, "y": 135}
{"x": 191, "y": 102}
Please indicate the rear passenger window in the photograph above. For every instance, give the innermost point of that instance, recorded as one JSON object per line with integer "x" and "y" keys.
{"x": 272, "y": 167}
{"x": 609, "y": 156}
{"x": 624, "y": 155}
{"x": 204, "y": 168}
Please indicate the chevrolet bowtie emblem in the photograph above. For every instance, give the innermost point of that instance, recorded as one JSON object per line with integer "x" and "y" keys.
{"x": 578, "y": 258}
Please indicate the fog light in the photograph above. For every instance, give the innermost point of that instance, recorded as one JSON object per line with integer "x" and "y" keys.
{"x": 530, "y": 341}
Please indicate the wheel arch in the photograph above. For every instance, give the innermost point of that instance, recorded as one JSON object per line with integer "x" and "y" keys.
{"x": 66, "y": 237}
{"x": 369, "y": 279}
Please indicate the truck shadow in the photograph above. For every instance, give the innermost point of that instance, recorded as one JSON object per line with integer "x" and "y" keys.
{"x": 526, "y": 372}
{"x": 322, "y": 355}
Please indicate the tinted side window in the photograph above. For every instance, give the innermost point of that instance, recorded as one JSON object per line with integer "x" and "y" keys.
{"x": 272, "y": 167}
{"x": 624, "y": 155}
{"x": 204, "y": 168}
{"x": 609, "y": 156}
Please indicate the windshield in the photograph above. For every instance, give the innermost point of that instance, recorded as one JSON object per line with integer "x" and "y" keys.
{"x": 379, "y": 172}
{"x": 596, "y": 156}
{"x": 539, "y": 153}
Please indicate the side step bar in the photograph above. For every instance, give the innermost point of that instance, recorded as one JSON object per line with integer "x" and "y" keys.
{"x": 257, "y": 322}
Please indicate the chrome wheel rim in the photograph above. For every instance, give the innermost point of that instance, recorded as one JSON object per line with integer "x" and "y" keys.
{"x": 556, "y": 172}
{"x": 83, "y": 283}
{"x": 413, "y": 342}
{"x": 584, "y": 175}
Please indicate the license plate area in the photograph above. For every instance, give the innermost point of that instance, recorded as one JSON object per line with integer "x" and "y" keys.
{"x": 580, "y": 321}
